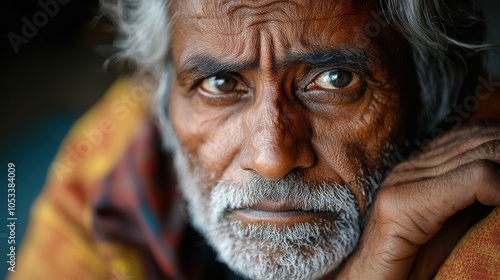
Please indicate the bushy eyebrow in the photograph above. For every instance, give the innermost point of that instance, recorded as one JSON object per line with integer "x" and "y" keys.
{"x": 200, "y": 66}
{"x": 355, "y": 58}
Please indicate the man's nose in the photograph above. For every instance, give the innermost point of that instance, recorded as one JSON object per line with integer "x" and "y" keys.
{"x": 277, "y": 138}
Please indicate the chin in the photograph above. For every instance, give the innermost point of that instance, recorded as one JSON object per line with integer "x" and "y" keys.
{"x": 264, "y": 251}
{"x": 307, "y": 243}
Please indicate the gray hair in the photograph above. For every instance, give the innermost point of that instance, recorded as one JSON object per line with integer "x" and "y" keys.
{"x": 445, "y": 38}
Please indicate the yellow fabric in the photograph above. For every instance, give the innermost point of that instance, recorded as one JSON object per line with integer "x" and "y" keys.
{"x": 477, "y": 255}
{"x": 59, "y": 242}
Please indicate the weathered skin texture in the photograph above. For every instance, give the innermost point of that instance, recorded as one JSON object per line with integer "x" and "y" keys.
{"x": 278, "y": 121}
{"x": 274, "y": 115}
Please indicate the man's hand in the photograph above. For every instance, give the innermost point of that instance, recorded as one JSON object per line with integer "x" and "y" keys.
{"x": 409, "y": 231}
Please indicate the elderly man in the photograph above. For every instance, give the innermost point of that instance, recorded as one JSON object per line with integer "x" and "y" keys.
{"x": 311, "y": 140}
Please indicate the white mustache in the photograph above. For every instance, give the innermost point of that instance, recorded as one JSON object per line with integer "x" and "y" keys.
{"x": 293, "y": 189}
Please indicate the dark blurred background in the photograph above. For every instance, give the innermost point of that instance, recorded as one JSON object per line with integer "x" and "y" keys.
{"x": 50, "y": 79}
{"x": 46, "y": 83}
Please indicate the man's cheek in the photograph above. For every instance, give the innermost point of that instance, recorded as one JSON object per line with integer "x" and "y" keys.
{"x": 219, "y": 154}
{"x": 189, "y": 139}
{"x": 379, "y": 126}
{"x": 189, "y": 125}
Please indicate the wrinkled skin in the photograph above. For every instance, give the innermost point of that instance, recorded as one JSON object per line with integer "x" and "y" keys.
{"x": 274, "y": 115}
{"x": 274, "y": 125}
{"x": 412, "y": 226}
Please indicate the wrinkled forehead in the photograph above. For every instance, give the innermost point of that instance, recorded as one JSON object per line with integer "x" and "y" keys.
{"x": 271, "y": 9}
{"x": 224, "y": 16}
{"x": 234, "y": 29}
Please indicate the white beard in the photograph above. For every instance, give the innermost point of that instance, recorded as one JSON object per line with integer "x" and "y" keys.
{"x": 265, "y": 251}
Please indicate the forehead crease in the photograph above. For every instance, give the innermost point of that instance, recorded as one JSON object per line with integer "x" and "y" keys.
{"x": 255, "y": 7}
{"x": 236, "y": 17}
{"x": 231, "y": 6}
{"x": 233, "y": 27}
{"x": 250, "y": 12}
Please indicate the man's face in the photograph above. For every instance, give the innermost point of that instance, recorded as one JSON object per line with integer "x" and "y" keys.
{"x": 283, "y": 110}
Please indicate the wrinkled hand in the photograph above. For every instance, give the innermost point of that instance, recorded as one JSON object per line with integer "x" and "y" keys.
{"x": 410, "y": 231}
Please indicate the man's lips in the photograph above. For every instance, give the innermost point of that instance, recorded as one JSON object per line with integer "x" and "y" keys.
{"x": 279, "y": 213}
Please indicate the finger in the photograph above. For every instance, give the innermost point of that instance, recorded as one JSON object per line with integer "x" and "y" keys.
{"x": 404, "y": 218}
{"x": 426, "y": 205}
{"x": 459, "y": 144}
{"x": 488, "y": 151}
{"x": 463, "y": 132}
{"x": 432, "y": 255}
{"x": 442, "y": 154}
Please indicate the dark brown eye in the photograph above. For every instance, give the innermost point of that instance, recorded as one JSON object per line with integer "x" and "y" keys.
{"x": 336, "y": 79}
{"x": 220, "y": 84}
